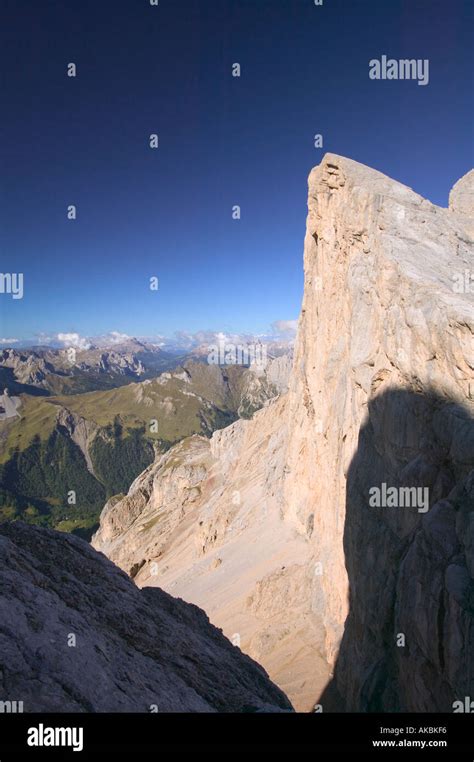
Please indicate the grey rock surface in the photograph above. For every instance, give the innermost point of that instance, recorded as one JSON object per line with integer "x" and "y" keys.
{"x": 77, "y": 635}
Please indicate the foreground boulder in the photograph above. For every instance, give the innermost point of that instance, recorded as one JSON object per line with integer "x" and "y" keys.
{"x": 76, "y": 635}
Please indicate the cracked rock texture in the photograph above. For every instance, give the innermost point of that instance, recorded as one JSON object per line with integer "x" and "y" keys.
{"x": 268, "y": 525}
{"x": 77, "y": 635}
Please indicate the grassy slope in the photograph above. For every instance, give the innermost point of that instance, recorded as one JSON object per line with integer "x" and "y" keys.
{"x": 178, "y": 414}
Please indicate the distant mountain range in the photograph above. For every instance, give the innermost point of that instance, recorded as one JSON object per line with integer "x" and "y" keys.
{"x": 49, "y": 370}
{"x": 44, "y": 370}
{"x": 81, "y": 433}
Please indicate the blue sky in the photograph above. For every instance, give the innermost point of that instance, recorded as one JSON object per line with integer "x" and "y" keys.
{"x": 223, "y": 141}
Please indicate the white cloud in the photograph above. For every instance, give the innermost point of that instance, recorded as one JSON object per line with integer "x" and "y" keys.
{"x": 187, "y": 340}
{"x": 283, "y": 332}
{"x": 74, "y": 340}
{"x": 117, "y": 338}
{"x": 112, "y": 338}
{"x": 44, "y": 339}
{"x": 9, "y": 341}
{"x": 285, "y": 327}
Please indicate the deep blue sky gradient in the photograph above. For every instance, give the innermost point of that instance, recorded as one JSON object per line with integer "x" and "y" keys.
{"x": 223, "y": 141}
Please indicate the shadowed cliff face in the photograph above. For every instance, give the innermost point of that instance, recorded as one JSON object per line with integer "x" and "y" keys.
{"x": 408, "y": 642}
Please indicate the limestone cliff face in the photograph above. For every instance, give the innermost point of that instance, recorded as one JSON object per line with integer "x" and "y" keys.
{"x": 271, "y": 527}
{"x": 381, "y": 393}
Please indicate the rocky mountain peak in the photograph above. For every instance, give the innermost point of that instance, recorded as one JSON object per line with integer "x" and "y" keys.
{"x": 281, "y": 527}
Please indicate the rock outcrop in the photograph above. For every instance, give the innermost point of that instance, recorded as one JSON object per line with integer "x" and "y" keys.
{"x": 80, "y": 431}
{"x": 9, "y": 406}
{"x": 461, "y": 198}
{"x": 262, "y": 382}
{"x": 273, "y": 528}
{"x": 76, "y": 635}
